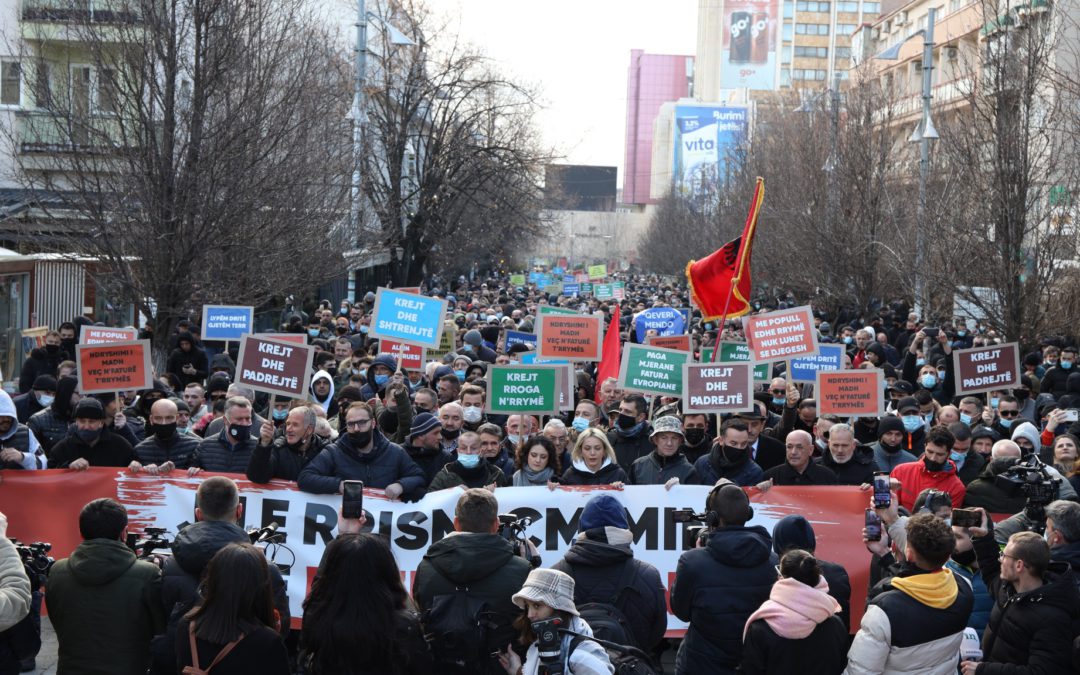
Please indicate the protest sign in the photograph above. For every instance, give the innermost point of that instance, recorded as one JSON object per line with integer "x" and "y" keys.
{"x": 586, "y": 287}
{"x": 663, "y": 320}
{"x": 409, "y": 318}
{"x": 618, "y": 290}
{"x": 652, "y": 370}
{"x": 558, "y": 271}
{"x": 575, "y": 338}
{"x": 274, "y": 366}
{"x": 553, "y": 289}
{"x": 515, "y": 337}
{"x": 603, "y": 291}
{"x": 408, "y": 356}
{"x": 100, "y": 335}
{"x": 415, "y": 290}
{"x": 522, "y": 389}
{"x": 851, "y": 393}
{"x": 226, "y": 322}
{"x": 531, "y": 357}
{"x": 784, "y": 334}
{"x": 718, "y": 387}
{"x": 45, "y": 505}
{"x": 295, "y": 338}
{"x": 597, "y": 271}
{"x": 680, "y": 342}
{"x": 737, "y": 352}
{"x": 571, "y": 289}
{"x": 829, "y": 357}
{"x": 517, "y": 279}
{"x": 986, "y": 368}
{"x": 447, "y": 343}
{"x": 114, "y": 366}
{"x": 544, "y": 310}
{"x": 581, "y": 277}
{"x": 568, "y": 279}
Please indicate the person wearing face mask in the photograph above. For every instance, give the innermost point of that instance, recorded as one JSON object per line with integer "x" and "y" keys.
{"x": 914, "y": 423}
{"x": 37, "y": 399}
{"x": 1028, "y": 409}
{"x": 696, "y": 432}
{"x": 230, "y": 450}
{"x": 50, "y": 425}
{"x": 18, "y": 447}
{"x": 471, "y": 399}
{"x": 164, "y": 447}
{"x": 394, "y": 411}
{"x": 969, "y": 463}
{"x": 889, "y": 450}
{"x": 730, "y": 458}
{"x": 927, "y": 375}
{"x": 379, "y": 374}
{"x": 1055, "y": 381}
{"x": 469, "y": 468}
{"x": 90, "y": 443}
{"x": 43, "y": 360}
{"x": 933, "y": 470}
{"x": 630, "y": 434}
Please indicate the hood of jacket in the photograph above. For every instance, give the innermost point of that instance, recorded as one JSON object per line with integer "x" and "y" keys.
{"x": 325, "y": 403}
{"x": 7, "y": 409}
{"x": 1058, "y": 590}
{"x": 740, "y": 546}
{"x": 96, "y": 562}
{"x": 222, "y": 360}
{"x": 1072, "y": 383}
{"x": 186, "y": 336}
{"x": 1028, "y": 431}
{"x": 592, "y": 553}
{"x": 198, "y": 542}
{"x": 466, "y": 557}
{"x": 61, "y": 405}
{"x": 1068, "y": 553}
{"x": 385, "y": 360}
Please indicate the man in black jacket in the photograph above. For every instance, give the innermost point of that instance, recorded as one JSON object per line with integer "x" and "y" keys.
{"x": 1035, "y": 603}
{"x": 218, "y": 512}
{"x": 766, "y": 451}
{"x": 91, "y": 444}
{"x": 50, "y": 425}
{"x": 630, "y": 434}
{"x": 852, "y": 463}
{"x": 719, "y": 586}
{"x": 800, "y": 469}
{"x": 228, "y": 451}
{"x": 424, "y": 447}
{"x": 604, "y": 569}
{"x": 164, "y": 448}
{"x": 475, "y": 558}
{"x": 286, "y": 455}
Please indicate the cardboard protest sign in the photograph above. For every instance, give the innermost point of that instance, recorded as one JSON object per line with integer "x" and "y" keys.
{"x": 618, "y": 290}
{"x": 274, "y": 366}
{"x": 407, "y": 317}
{"x": 851, "y": 393}
{"x": 415, "y": 290}
{"x": 737, "y": 352}
{"x": 553, "y": 289}
{"x": 408, "y": 356}
{"x": 227, "y": 322}
{"x": 680, "y": 342}
{"x": 100, "y": 335}
{"x": 531, "y": 357}
{"x": 571, "y": 289}
{"x": 652, "y": 370}
{"x": 718, "y": 387}
{"x": 586, "y": 287}
{"x": 447, "y": 343}
{"x": 603, "y": 291}
{"x": 986, "y": 368}
{"x": 597, "y": 271}
{"x": 544, "y": 310}
{"x": 295, "y": 338}
{"x": 829, "y": 357}
{"x": 663, "y": 320}
{"x": 522, "y": 389}
{"x": 514, "y": 337}
{"x": 783, "y": 334}
{"x": 575, "y": 338}
{"x": 517, "y": 279}
{"x": 114, "y": 366}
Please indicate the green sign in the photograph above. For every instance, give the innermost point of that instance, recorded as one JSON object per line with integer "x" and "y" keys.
{"x": 517, "y": 279}
{"x": 552, "y": 309}
{"x": 603, "y": 291}
{"x": 586, "y": 288}
{"x": 618, "y": 291}
{"x": 736, "y": 352}
{"x": 523, "y": 389}
{"x": 597, "y": 271}
{"x": 652, "y": 370}
{"x": 553, "y": 289}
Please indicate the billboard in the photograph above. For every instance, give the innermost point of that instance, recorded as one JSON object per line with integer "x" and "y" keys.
{"x": 748, "y": 48}
{"x": 705, "y": 138}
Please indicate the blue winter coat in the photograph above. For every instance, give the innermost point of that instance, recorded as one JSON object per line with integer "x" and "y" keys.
{"x": 984, "y": 602}
{"x": 385, "y": 464}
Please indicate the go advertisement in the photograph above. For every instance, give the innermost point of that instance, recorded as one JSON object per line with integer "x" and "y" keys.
{"x": 748, "y": 46}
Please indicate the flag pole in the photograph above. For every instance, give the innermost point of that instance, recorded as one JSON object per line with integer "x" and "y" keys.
{"x": 735, "y": 280}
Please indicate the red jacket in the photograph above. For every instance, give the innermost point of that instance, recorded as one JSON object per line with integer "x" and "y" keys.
{"x": 914, "y": 478}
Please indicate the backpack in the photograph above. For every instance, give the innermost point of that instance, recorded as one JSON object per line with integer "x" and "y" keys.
{"x": 195, "y": 669}
{"x": 626, "y": 659}
{"x": 458, "y": 627}
{"x": 606, "y": 618}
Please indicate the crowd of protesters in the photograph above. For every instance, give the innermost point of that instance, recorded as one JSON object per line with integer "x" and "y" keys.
{"x": 973, "y": 598}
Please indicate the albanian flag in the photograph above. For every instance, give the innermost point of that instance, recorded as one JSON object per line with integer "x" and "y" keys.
{"x": 720, "y": 283}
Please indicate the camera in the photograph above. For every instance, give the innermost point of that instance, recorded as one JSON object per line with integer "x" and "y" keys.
{"x": 549, "y": 644}
{"x": 154, "y": 538}
{"x": 693, "y": 535}
{"x": 36, "y": 560}
{"x": 1030, "y": 477}
{"x": 512, "y": 529}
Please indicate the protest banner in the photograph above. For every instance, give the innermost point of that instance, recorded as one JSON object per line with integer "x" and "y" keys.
{"x": 515, "y": 337}
{"x": 32, "y": 338}
{"x": 517, "y": 279}
{"x": 737, "y": 352}
{"x": 274, "y": 366}
{"x": 295, "y": 338}
{"x": 409, "y": 318}
{"x": 597, "y": 271}
{"x": 652, "y": 370}
{"x": 544, "y": 310}
{"x": 45, "y": 505}
{"x": 114, "y": 366}
{"x": 415, "y": 290}
{"x": 718, "y": 387}
{"x": 986, "y": 368}
{"x": 529, "y": 358}
{"x": 100, "y": 335}
{"x": 447, "y": 343}
{"x": 618, "y": 290}
{"x": 603, "y": 291}
{"x": 523, "y": 389}
{"x": 574, "y": 338}
{"x": 783, "y": 334}
{"x": 663, "y": 320}
{"x": 680, "y": 342}
{"x": 851, "y": 393}
{"x": 828, "y": 358}
{"x": 227, "y": 322}
{"x": 408, "y": 356}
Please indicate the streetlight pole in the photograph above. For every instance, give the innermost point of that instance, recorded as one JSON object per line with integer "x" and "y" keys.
{"x": 359, "y": 114}
{"x": 833, "y": 162}
{"x": 923, "y": 135}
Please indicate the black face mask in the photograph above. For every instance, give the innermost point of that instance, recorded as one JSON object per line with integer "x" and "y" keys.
{"x": 388, "y": 421}
{"x": 1021, "y": 394}
{"x": 240, "y": 432}
{"x": 360, "y": 439}
{"x": 734, "y": 455}
{"x": 933, "y": 466}
{"x": 965, "y": 558}
{"x": 694, "y": 436}
{"x": 450, "y": 434}
{"x": 625, "y": 421}
{"x": 52, "y": 349}
{"x": 163, "y": 432}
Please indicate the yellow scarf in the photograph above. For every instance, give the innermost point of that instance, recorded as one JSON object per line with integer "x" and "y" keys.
{"x": 934, "y": 589}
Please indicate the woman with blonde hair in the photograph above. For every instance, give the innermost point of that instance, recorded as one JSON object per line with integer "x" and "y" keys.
{"x": 593, "y": 461}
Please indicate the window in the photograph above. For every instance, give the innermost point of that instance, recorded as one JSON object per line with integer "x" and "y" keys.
{"x": 788, "y": 30}
{"x": 93, "y": 90}
{"x": 43, "y": 97}
{"x": 812, "y": 29}
{"x": 812, "y": 52}
{"x": 811, "y": 6}
{"x": 789, "y": 9}
{"x": 785, "y": 77}
{"x": 10, "y": 83}
{"x": 846, "y": 28}
{"x": 955, "y": 5}
{"x": 785, "y": 53}
{"x": 872, "y": 7}
{"x": 848, "y": 7}
{"x": 843, "y": 52}
{"x": 809, "y": 74}
{"x": 105, "y": 102}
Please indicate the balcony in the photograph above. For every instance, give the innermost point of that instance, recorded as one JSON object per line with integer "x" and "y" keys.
{"x": 45, "y": 133}
{"x": 80, "y": 11}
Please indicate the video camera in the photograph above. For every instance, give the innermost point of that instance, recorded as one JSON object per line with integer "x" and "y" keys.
{"x": 512, "y": 529}
{"x": 274, "y": 541}
{"x": 36, "y": 560}
{"x": 154, "y": 539}
{"x": 694, "y": 534}
{"x": 1030, "y": 477}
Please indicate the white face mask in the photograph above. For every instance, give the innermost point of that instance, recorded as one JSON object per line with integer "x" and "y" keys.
{"x": 472, "y": 414}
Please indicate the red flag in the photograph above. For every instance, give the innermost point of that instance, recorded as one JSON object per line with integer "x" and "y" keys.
{"x": 720, "y": 283}
{"x": 612, "y": 358}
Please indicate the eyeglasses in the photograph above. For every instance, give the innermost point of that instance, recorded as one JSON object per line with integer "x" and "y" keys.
{"x": 1003, "y": 555}
{"x": 215, "y": 397}
{"x": 1008, "y": 413}
{"x": 357, "y": 424}
{"x": 777, "y": 392}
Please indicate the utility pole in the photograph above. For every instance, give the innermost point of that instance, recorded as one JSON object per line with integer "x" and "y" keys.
{"x": 923, "y": 135}
{"x": 832, "y": 164}
{"x": 359, "y": 114}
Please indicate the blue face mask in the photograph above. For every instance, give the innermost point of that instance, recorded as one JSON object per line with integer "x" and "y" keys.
{"x": 919, "y": 363}
{"x": 313, "y": 332}
{"x": 958, "y": 458}
{"x": 279, "y": 415}
{"x": 928, "y": 381}
{"x": 778, "y": 401}
{"x": 994, "y": 403}
{"x": 1006, "y": 423}
{"x": 380, "y": 380}
{"x": 88, "y": 435}
{"x": 513, "y": 438}
{"x": 460, "y": 375}
{"x": 1065, "y": 364}
{"x": 965, "y": 418}
{"x": 364, "y": 329}
{"x": 961, "y": 333}
{"x": 847, "y": 339}
{"x": 469, "y": 461}
{"x": 580, "y": 424}
{"x": 912, "y": 423}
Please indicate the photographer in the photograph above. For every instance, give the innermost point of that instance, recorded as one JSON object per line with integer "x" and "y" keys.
{"x": 549, "y": 594}
{"x": 15, "y": 601}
